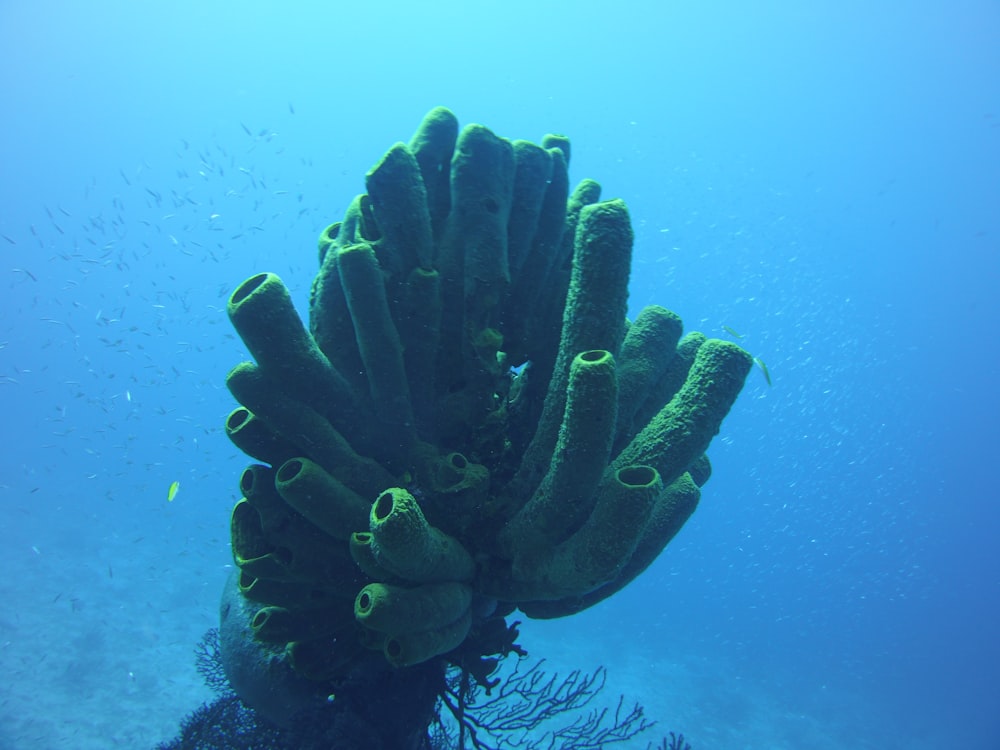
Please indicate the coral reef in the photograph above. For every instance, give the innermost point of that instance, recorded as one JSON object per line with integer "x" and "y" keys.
{"x": 469, "y": 425}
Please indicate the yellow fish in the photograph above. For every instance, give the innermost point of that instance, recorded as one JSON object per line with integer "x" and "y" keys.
{"x": 763, "y": 369}
{"x": 172, "y": 492}
{"x": 731, "y": 332}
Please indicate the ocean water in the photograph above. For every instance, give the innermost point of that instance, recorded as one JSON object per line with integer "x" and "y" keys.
{"x": 820, "y": 177}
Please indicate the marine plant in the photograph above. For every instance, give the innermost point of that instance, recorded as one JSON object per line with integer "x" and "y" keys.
{"x": 468, "y": 426}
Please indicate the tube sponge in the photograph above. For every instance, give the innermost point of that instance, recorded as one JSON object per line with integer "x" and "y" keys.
{"x": 255, "y": 438}
{"x": 324, "y": 501}
{"x": 594, "y": 318}
{"x": 409, "y": 547}
{"x": 563, "y": 500}
{"x": 407, "y": 649}
{"x": 469, "y": 368}
{"x": 482, "y": 187}
{"x": 364, "y": 557}
{"x": 533, "y": 169}
{"x": 684, "y": 427}
{"x": 262, "y": 313}
{"x": 312, "y": 433}
{"x": 647, "y": 352}
{"x": 395, "y": 609}
{"x": 433, "y": 146}
{"x": 672, "y": 508}
{"x": 252, "y": 551}
{"x": 399, "y": 200}
{"x": 378, "y": 340}
{"x": 280, "y": 625}
{"x": 597, "y": 552}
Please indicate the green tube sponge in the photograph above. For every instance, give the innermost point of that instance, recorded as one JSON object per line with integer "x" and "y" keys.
{"x": 552, "y": 141}
{"x": 360, "y": 545}
{"x": 409, "y": 547}
{"x": 419, "y": 324}
{"x": 528, "y": 278}
{"x": 450, "y": 472}
{"x": 684, "y": 427}
{"x": 399, "y": 201}
{"x": 359, "y": 223}
{"x": 327, "y": 240}
{"x": 262, "y": 313}
{"x": 252, "y": 552}
{"x": 281, "y": 625}
{"x": 482, "y": 185}
{"x": 647, "y": 351}
{"x": 598, "y": 291}
{"x": 433, "y": 146}
{"x": 325, "y": 502}
{"x": 546, "y": 324}
{"x": 596, "y": 553}
{"x": 407, "y": 649}
{"x": 301, "y": 424}
{"x": 532, "y": 172}
{"x": 394, "y": 609}
{"x": 670, "y": 511}
{"x": 700, "y": 470}
{"x": 472, "y": 253}
{"x": 330, "y": 319}
{"x": 460, "y": 489}
{"x": 594, "y": 318}
{"x": 274, "y": 624}
{"x": 296, "y": 552}
{"x": 252, "y": 436}
{"x": 284, "y": 593}
{"x": 669, "y": 382}
{"x": 563, "y": 500}
{"x": 378, "y": 341}
{"x": 468, "y": 341}
{"x": 257, "y": 486}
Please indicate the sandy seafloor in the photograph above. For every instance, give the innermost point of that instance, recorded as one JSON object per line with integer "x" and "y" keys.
{"x": 99, "y": 658}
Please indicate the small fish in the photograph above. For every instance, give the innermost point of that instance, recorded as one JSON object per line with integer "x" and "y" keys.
{"x": 291, "y": 108}
{"x": 763, "y": 368}
{"x": 731, "y": 332}
{"x": 26, "y": 272}
{"x": 246, "y": 129}
{"x": 172, "y": 492}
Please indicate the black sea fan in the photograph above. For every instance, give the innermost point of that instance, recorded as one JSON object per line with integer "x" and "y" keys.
{"x": 208, "y": 662}
{"x": 226, "y": 724}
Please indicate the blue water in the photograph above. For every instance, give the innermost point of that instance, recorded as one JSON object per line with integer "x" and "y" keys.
{"x": 821, "y": 177}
